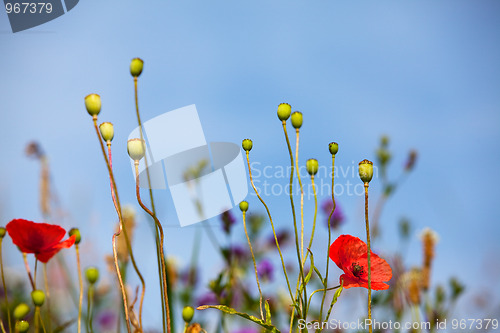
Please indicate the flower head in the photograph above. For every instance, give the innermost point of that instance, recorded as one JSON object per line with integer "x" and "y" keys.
{"x": 350, "y": 255}
{"x": 265, "y": 269}
{"x": 337, "y": 217}
{"x": 41, "y": 239}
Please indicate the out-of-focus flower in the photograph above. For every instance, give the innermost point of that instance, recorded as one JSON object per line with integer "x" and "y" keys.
{"x": 247, "y": 330}
{"x": 337, "y": 217}
{"x": 350, "y": 255}
{"x": 412, "y": 159}
{"x": 283, "y": 237}
{"x": 41, "y": 239}
{"x": 228, "y": 220}
{"x": 106, "y": 320}
{"x": 128, "y": 214}
{"x": 429, "y": 239}
{"x": 265, "y": 269}
{"x": 208, "y": 299}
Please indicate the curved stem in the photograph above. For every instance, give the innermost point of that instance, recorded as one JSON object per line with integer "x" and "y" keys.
{"x": 254, "y": 265}
{"x": 120, "y": 280}
{"x": 5, "y": 288}
{"x": 272, "y": 226}
{"x": 329, "y": 237}
{"x": 370, "y": 328}
{"x": 80, "y": 283}
{"x": 162, "y": 257}
{"x": 157, "y": 236}
{"x": 325, "y": 290}
{"x": 314, "y": 219}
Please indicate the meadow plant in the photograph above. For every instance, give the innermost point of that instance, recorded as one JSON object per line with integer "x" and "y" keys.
{"x": 310, "y": 293}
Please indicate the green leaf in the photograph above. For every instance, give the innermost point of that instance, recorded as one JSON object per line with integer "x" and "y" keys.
{"x": 337, "y": 293}
{"x": 268, "y": 314}
{"x": 228, "y": 310}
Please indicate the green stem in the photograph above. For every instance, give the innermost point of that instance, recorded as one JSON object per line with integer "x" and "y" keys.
{"x": 370, "y": 328}
{"x": 47, "y": 293}
{"x": 90, "y": 299}
{"x": 254, "y": 265}
{"x": 290, "y": 188}
{"x": 301, "y": 194}
{"x": 157, "y": 237}
{"x": 5, "y": 288}
{"x": 272, "y": 226}
{"x": 80, "y": 283}
{"x": 329, "y": 238}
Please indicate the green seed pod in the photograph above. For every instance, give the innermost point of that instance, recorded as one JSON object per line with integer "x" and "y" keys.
{"x": 21, "y": 311}
{"x": 75, "y": 232}
{"x": 92, "y": 275}
{"x": 297, "y": 119}
{"x": 38, "y": 297}
{"x": 312, "y": 166}
{"x": 93, "y": 104}
{"x": 243, "y": 206}
{"x": 365, "y": 171}
{"x": 247, "y": 144}
{"x": 22, "y": 326}
{"x": 187, "y": 314}
{"x": 136, "y": 66}
{"x": 136, "y": 149}
{"x": 2, "y": 232}
{"x": 333, "y": 147}
{"x": 284, "y": 111}
{"x": 107, "y": 131}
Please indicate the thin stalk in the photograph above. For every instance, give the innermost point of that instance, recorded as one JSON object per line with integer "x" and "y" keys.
{"x": 116, "y": 201}
{"x": 162, "y": 257}
{"x": 314, "y": 219}
{"x": 118, "y": 210}
{"x": 290, "y": 189}
{"x": 329, "y": 237}
{"x": 325, "y": 290}
{"x": 36, "y": 319}
{"x": 139, "y": 122}
{"x": 47, "y": 294}
{"x": 272, "y": 226}
{"x": 28, "y": 270}
{"x": 254, "y": 265}
{"x": 80, "y": 283}
{"x": 34, "y": 272}
{"x": 297, "y": 132}
{"x": 5, "y": 288}
{"x": 90, "y": 299}
{"x": 120, "y": 280}
{"x": 370, "y": 328}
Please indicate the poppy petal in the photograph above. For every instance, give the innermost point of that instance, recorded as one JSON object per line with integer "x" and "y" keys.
{"x": 33, "y": 237}
{"x": 47, "y": 254}
{"x": 381, "y": 270}
{"x": 346, "y": 249}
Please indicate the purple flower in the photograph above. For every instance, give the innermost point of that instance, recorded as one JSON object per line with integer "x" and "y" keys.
{"x": 228, "y": 220}
{"x": 265, "y": 269}
{"x": 106, "y": 320}
{"x": 247, "y": 330}
{"x": 337, "y": 217}
{"x": 208, "y": 299}
{"x": 283, "y": 237}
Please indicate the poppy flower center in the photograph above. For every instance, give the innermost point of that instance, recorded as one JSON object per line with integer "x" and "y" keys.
{"x": 357, "y": 270}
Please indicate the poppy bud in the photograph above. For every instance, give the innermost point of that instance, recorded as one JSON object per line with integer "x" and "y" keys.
{"x": 243, "y": 206}
{"x": 22, "y": 326}
{"x": 2, "y": 232}
{"x": 136, "y": 149}
{"x": 93, "y": 104}
{"x": 247, "y": 144}
{"x": 38, "y": 297}
{"x": 107, "y": 131}
{"x": 92, "y": 275}
{"x": 297, "y": 119}
{"x": 187, "y": 314}
{"x": 365, "y": 171}
{"x": 312, "y": 166}
{"x": 136, "y": 66}
{"x": 21, "y": 311}
{"x": 75, "y": 232}
{"x": 284, "y": 110}
{"x": 333, "y": 147}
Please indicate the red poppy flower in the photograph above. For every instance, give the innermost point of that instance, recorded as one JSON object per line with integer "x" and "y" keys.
{"x": 350, "y": 254}
{"x": 41, "y": 239}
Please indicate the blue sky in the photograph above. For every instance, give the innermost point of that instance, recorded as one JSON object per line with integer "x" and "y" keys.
{"x": 425, "y": 73}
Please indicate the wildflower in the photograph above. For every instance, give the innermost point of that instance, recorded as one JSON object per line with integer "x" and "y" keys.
{"x": 337, "y": 217}
{"x": 228, "y": 221}
{"x": 265, "y": 269}
{"x": 208, "y": 299}
{"x": 429, "y": 239}
{"x": 41, "y": 239}
{"x": 350, "y": 255}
